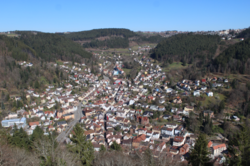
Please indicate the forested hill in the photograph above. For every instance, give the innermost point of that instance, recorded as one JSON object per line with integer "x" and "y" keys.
{"x": 17, "y": 48}
{"x": 244, "y": 34}
{"x": 184, "y": 47}
{"x": 52, "y": 46}
{"x": 110, "y": 38}
{"x": 235, "y": 57}
{"x": 95, "y": 33}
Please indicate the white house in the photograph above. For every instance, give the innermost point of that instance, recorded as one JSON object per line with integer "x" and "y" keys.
{"x": 173, "y": 109}
{"x": 210, "y": 93}
{"x": 167, "y": 131}
{"x": 178, "y": 141}
{"x": 196, "y": 93}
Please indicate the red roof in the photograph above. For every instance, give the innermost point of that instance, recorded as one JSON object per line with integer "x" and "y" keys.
{"x": 219, "y": 146}
{"x": 203, "y": 80}
{"x": 210, "y": 143}
{"x": 178, "y": 139}
{"x": 33, "y": 123}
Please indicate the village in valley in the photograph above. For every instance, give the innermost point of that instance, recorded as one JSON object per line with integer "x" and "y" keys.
{"x": 147, "y": 111}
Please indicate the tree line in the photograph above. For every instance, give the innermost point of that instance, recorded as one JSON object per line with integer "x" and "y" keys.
{"x": 114, "y": 42}
{"x": 95, "y": 33}
{"x": 51, "y": 47}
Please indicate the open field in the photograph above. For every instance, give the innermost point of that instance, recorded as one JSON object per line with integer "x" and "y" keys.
{"x": 126, "y": 70}
{"x": 215, "y": 99}
{"x": 175, "y": 66}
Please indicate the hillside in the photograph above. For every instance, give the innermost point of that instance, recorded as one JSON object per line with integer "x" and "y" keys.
{"x": 244, "y": 34}
{"x": 17, "y": 49}
{"x": 236, "y": 57}
{"x": 186, "y": 47}
{"x": 111, "y": 38}
{"x": 51, "y": 47}
{"x": 95, "y": 33}
{"x": 114, "y": 42}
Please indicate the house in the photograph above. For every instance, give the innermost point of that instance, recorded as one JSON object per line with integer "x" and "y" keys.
{"x": 174, "y": 150}
{"x": 188, "y": 109}
{"x": 68, "y": 116}
{"x": 173, "y": 109}
{"x": 33, "y": 125}
{"x": 178, "y": 130}
{"x": 178, "y": 141}
{"x": 177, "y": 118}
{"x": 235, "y": 118}
{"x": 184, "y": 149}
{"x": 156, "y": 135}
{"x": 217, "y": 149}
{"x": 143, "y": 120}
{"x": 196, "y": 93}
{"x": 62, "y": 123}
{"x": 210, "y": 93}
{"x": 169, "y": 90}
{"x": 166, "y": 117}
{"x": 177, "y": 100}
{"x": 154, "y": 107}
{"x": 138, "y": 139}
{"x": 11, "y": 122}
{"x": 171, "y": 125}
{"x": 12, "y": 115}
{"x": 167, "y": 131}
{"x": 161, "y": 108}
{"x": 203, "y": 81}
{"x": 210, "y": 144}
{"x": 204, "y": 88}
{"x": 208, "y": 113}
{"x": 97, "y": 147}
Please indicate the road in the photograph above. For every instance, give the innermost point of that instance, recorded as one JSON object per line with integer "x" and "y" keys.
{"x": 78, "y": 114}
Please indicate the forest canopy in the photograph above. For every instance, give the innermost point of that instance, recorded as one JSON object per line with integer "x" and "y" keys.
{"x": 114, "y": 42}
{"x": 50, "y": 47}
{"x": 95, "y": 33}
{"x": 186, "y": 46}
{"x": 244, "y": 34}
{"x": 18, "y": 49}
{"x": 235, "y": 57}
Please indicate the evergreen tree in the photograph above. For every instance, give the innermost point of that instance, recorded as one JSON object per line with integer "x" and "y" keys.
{"x": 102, "y": 149}
{"x": 221, "y": 106}
{"x": 81, "y": 147}
{"x": 37, "y": 134}
{"x": 2, "y": 106}
{"x": 4, "y": 84}
{"x": 199, "y": 154}
{"x": 149, "y": 157}
{"x": 37, "y": 85}
{"x": 19, "y": 138}
{"x": 116, "y": 146}
{"x": 239, "y": 149}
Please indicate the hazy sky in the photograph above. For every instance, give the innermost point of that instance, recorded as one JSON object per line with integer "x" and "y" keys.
{"x": 143, "y": 15}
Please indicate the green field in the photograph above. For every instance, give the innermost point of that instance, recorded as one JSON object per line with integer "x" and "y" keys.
{"x": 127, "y": 71}
{"x": 59, "y": 62}
{"x": 175, "y": 66}
{"x": 216, "y": 98}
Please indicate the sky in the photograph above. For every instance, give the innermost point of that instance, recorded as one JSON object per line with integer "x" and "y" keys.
{"x": 136, "y": 15}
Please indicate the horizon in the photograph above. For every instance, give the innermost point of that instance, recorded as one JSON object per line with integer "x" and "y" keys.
{"x": 120, "y": 28}
{"x": 152, "y": 16}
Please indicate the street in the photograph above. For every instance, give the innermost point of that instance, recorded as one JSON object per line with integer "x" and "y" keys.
{"x": 78, "y": 114}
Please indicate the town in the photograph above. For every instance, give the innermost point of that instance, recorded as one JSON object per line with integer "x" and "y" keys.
{"x": 147, "y": 111}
